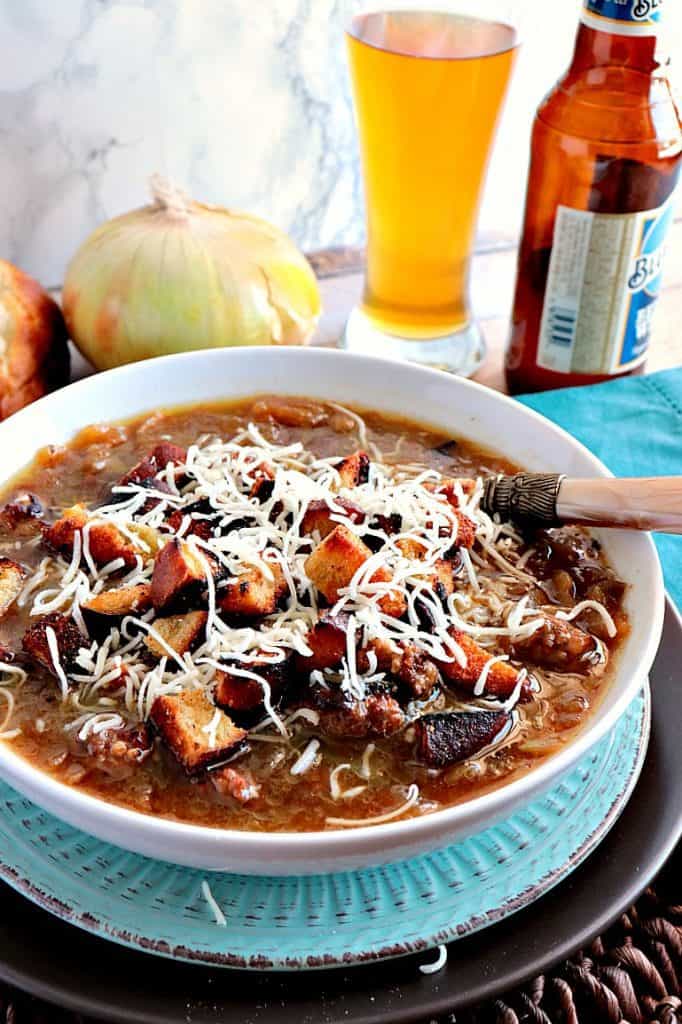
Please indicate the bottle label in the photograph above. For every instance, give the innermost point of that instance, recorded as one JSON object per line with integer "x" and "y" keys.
{"x": 623, "y": 17}
{"x": 603, "y": 282}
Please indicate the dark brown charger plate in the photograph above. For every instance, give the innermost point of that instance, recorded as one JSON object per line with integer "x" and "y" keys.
{"x": 64, "y": 965}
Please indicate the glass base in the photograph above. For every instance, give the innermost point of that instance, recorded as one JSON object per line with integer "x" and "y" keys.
{"x": 461, "y": 352}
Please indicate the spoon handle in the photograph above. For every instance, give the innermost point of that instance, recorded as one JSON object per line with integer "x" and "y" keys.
{"x": 653, "y": 503}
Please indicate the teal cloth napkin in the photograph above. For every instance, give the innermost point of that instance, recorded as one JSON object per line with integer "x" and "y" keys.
{"x": 634, "y": 425}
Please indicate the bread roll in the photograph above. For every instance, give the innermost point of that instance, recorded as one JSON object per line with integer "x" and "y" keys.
{"x": 34, "y": 355}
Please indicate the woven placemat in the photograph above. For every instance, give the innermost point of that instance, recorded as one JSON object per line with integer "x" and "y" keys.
{"x": 629, "y": 975}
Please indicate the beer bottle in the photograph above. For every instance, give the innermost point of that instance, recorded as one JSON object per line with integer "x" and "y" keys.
{"x": 605, "y": 160}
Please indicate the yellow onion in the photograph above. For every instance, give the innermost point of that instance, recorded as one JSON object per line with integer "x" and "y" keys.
{"x": 179, "y": 275}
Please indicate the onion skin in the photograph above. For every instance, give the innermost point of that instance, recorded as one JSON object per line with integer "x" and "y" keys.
{"x": 34, "y": 354}
{"x": 173, "y": 278}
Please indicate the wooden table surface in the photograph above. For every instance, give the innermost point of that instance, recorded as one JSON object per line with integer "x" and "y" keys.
{"x": 493, "y": 276}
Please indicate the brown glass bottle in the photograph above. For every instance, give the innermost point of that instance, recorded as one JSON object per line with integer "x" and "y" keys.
{"x": 606, "y": 145}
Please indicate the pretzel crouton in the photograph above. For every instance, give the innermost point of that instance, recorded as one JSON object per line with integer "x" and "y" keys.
{"x": 179, "y": 576}
{"x": 354, "y": 469}
{"x": 68, "y": 637}
{"x": 184, "y": 722}
{"x": 105, "y": 541}
{"x": 327, "y": 641}
{"x": 502, "y": 677}
{"x": 12, "y": 576}
{"x": 254, "y": 593}
{"x": 318, "y": 516}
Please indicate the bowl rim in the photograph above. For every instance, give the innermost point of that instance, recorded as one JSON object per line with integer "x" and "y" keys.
{"x": 485, "y": 806}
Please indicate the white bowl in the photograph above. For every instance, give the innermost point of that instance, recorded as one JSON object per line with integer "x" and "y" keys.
{"x": 428, "y": 396}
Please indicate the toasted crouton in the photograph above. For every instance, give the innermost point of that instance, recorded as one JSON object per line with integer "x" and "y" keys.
{"x": 354, "y": 469}
{"x": 179, "y": 576}
{"x": 327, "y": 641}
{"x": 105, "y": 541}
{"x": 113, "y": 604}
{"x": 393, "y": 602}
{"x": 335, "y": 561}
{"x": 181, "y": 633}
{"x": 441, "y": 578}
{"x": 197, "y": 733}
{"x": 166, "y": 452}
{"x": 12, "y": 576}
{"x": 502, "y": 677}
{"x": 68, "y": 639}
{"x": 236, "y": 693}
{"x": 318, "y": 516}
{"x": 254, "y": 593}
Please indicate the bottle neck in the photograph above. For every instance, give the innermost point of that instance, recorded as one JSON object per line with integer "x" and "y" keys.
{"x": 597, "y": 48}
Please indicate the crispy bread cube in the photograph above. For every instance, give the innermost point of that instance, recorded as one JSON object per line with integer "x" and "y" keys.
{"x": 181, "y": 632}
{"x": 112, "y": 604}
{"x": 502, "y": 677}
{"x": 466, "y": 531}
{"x": 68, "y": 637}
{"x": 166, "y": 452}
{"x": 253, "y": 593}
{"x": 183, "y": 720}
{"x": 179, "y": 576}
{"x": 327, "y": 641}
{"x": 394, "y": 602}
{"x": 202, "y": 527}
{"x": 318, "y": 516}
{"x": 335, "y": 561}
{"x": 442, "y": 579}
{"x": 354, "y": 469}
{"x": 12, "y": 576}
{"x": 235, "y": 693}
{"x": 105, "y": 541}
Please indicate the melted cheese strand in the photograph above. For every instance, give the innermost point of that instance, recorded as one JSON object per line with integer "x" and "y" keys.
{"x": 412, "y": 798}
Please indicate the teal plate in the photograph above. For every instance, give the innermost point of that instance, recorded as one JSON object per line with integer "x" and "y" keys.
{"x": 325, "y": 920}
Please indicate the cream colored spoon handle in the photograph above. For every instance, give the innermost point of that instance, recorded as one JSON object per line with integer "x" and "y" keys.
{"x": 653, "y": 503}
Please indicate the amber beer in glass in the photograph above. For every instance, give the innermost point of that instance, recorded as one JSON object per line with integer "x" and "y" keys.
{"x": 605, "y": 161}
{"x": 428, "y": 88}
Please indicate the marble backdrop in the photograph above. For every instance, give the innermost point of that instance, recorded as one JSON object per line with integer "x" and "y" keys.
{"x": 242, "y": 102}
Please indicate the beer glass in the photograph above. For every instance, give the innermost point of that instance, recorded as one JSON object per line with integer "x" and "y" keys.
{"x": 428, "y": 80}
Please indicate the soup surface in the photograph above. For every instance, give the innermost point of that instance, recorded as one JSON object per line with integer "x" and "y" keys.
{"x": 286, "y": 615}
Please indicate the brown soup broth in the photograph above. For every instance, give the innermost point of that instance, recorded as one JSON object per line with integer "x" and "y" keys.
{"x": 83, "y": 471}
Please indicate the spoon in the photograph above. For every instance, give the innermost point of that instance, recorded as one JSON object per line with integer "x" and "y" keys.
{"x": 550, "y": 499}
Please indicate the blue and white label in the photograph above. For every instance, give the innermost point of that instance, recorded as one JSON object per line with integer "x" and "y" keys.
{"x": 603, "y": 282}
{"x": 623, "y": 17}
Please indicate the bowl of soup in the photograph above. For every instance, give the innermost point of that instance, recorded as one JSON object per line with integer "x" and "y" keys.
{"x": 254, "y": 618}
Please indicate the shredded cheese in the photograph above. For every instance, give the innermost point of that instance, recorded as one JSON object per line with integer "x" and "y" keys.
{"x": 220, "y": 918}
{"x": 379, "y": 819}
{"x": 438, "y": 964}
